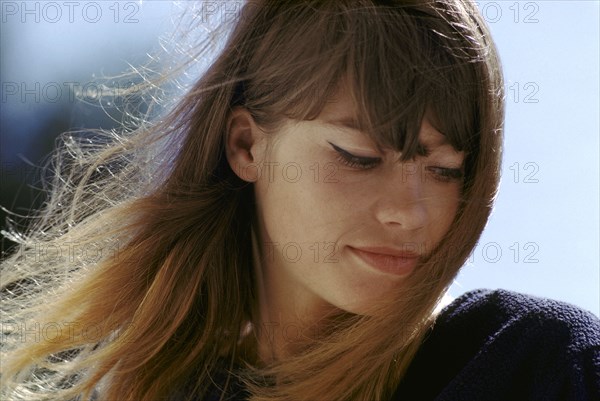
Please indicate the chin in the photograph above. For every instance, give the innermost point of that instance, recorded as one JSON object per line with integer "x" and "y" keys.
{"x": 363, "y": 306}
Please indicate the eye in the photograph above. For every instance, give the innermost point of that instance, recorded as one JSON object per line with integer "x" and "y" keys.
{"x": 439, "y": 173}
{"x": 445, "y": 174}
{"x": 350, "y": 160}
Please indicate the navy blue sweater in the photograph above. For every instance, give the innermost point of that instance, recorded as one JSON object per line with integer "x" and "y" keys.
{"x": 503, "y": 345}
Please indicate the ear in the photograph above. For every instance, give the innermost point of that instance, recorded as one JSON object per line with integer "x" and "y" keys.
{"x": 245, "y": 144}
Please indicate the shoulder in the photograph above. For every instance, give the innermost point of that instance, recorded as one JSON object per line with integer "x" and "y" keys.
{"x": 499, "y": 344}
{"x": 501, "y": 311}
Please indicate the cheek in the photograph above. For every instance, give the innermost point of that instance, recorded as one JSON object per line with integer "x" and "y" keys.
{"x": 297, "y": 206}
{"x": 303, "y": 194}
{"x": 442, "y": 208}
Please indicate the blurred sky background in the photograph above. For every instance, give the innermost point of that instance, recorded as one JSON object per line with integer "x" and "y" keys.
{"x": 543, "y": 237}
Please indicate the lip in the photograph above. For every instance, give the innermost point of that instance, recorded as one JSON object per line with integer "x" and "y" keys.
{"x": 387, "y": 260}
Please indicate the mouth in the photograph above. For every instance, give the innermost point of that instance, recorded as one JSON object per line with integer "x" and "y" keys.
{"x": 387, "y": 260}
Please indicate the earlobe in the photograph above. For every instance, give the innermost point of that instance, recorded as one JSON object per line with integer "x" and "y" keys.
{"x": 243, "y": 144}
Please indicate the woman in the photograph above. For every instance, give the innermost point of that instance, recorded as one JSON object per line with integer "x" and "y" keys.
{"x": 287, "y": 230}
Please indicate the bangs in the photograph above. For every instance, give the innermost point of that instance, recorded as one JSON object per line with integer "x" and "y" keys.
{"x": 402, "y": 68}
{"x": 401, "y": 63}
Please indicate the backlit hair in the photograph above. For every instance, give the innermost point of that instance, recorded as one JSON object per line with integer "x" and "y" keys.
{"x": 155, "y": 295}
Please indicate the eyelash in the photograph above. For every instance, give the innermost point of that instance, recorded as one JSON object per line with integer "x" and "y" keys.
{"x": 445, "y": 174}
{"x": 442, "y": 174}
{"x": 350, "y": 160}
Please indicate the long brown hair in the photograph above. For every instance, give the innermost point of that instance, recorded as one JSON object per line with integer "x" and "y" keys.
{"x": 161, "y": 302}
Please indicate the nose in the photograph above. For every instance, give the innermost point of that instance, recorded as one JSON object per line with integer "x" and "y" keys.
{"x": 401, "y": 203}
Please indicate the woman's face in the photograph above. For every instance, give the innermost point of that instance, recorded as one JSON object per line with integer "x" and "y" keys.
{"x": 332, "y": 208}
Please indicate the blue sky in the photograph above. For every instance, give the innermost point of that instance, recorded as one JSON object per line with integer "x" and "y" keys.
{"x": 543, "y": 236}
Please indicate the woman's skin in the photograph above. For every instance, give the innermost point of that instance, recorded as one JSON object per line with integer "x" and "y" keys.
{"x": 312, "y": 209}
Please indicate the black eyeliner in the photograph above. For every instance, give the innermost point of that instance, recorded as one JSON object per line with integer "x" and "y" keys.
{"x": 352, "y": 156}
